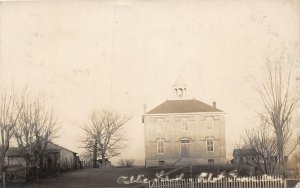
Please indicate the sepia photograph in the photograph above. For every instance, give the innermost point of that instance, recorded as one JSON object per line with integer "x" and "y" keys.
{"x": 150, "y": 93}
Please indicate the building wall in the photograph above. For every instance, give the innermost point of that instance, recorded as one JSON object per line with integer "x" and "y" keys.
{"x": 197, "y": 133}
{"x": 67, "y": 158}
{"x": 15, "y": 160}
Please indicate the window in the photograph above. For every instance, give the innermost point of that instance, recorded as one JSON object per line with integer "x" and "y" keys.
{"x": 216, "y": 124}
{"x": 274, "y": 159}
{"x": 180, "y": 93}
{"x": 211, "y": 161}
{"x": 159, "y": 125}
{"x": 160, "y": 146}
{"x": 209, "y": 122}
{"x": 184, "y": 124}
{"x": 210, "y": 144}
{"x": 161, "y": 163}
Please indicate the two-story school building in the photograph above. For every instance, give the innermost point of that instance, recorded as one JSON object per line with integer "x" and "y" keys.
{"x": 184, "y": 131}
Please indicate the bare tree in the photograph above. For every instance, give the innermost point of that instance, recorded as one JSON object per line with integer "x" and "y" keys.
{"x": 279, "y": 100}
{"x": 261, "y": 144}
{"x": 103, "y": 134}
{"x": 294, "y": 163}
{"x": 35, "y": 129}
{"x": 10, "y": 109}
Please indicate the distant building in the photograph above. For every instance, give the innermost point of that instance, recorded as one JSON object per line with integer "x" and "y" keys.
{"x": 63, "y": 157}
{"x": 184, "y": 131}
{"x": 14, "y": 157}
{"x": 101, "y": 163}
{"x": 56, "y": 158}
{"x": 241, "y": 156}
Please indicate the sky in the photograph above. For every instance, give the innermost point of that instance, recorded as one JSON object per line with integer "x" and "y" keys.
{"x": 122, "y": 54}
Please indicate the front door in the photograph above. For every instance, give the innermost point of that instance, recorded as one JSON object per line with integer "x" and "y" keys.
{"x": 185, "y": 148}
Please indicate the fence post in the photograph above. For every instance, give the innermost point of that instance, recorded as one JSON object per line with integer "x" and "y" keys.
{"x": 191, "y": 171}
{"x": 243, "y": 182}
{"x": 191, "y": 182}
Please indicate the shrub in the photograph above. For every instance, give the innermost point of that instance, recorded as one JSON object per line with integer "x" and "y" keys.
{"x": 125, "y": 162}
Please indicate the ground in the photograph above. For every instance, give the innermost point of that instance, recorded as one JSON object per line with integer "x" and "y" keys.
{"x": 107, "y": 177}
{"x": 91, "y": 178}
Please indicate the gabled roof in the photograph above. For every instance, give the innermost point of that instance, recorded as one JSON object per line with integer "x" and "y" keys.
{"x": 56, "y": 145}
{"x": 182, "y": 106}
{"x": 17, "y": 152}
{"x": 244, "y": 152}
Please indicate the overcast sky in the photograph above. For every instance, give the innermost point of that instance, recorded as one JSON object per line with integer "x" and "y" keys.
{"x": 122, "y": 54}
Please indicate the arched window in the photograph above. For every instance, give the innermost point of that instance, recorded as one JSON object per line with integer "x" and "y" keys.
{"x": 180, "y": 95}
{"x": 160, "y": 146}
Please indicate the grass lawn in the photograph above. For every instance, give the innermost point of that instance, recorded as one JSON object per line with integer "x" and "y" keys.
{"x": 107, "y": 177}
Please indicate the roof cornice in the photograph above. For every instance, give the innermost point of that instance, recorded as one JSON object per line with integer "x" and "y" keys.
{"x": 183, "y": 114}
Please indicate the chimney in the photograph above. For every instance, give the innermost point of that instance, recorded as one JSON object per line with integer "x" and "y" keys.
{"x": 214, "y": 104}
{"x": 145, "y": 108}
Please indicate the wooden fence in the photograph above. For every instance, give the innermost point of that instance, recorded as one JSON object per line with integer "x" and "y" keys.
{"x": 244, "y": 182}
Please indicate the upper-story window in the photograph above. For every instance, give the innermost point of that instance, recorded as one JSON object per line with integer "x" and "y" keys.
{"x": 160, "y": 146}
{"x": 180, "y": 93}
{"x": 210, "y": 144}
{"x": 216, "y": 124}
{"x": 159, "y": 125}
{"x": 184, "y": 124}
{"x": 209, "y": 122}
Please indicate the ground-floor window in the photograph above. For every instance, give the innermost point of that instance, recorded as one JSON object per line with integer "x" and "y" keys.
{"x": 161, "y": 163}
{"x": 211, "y": 161}
{"x": 160, "y": 146}
{"x": 210, "y": 144}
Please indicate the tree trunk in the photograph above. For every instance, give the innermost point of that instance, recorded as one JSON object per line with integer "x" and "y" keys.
{"x": 279, "y": 136}
{"x": 27, "y": 175}
{"x": 4, "y": 179}
{"x": 35, "y": 167}
{"x": 41, "y": 157}
{"x": 265, "y": 167}
{"x": 2, "y": 170}
{"x": 95, "y": 155}
{"x": 103, "y": 159}
{"x": 2, "y": 164}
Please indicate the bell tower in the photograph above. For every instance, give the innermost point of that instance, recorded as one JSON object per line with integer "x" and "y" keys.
{"x": 180, "y": 88}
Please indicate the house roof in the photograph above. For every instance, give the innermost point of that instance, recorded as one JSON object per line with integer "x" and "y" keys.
{"x": 244, "y": 152}
{"x": 62, "y": 147}
{"x": 14, "y": 152}
{"x": 183, "y": 106}
{"x": 17, "y": 152}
